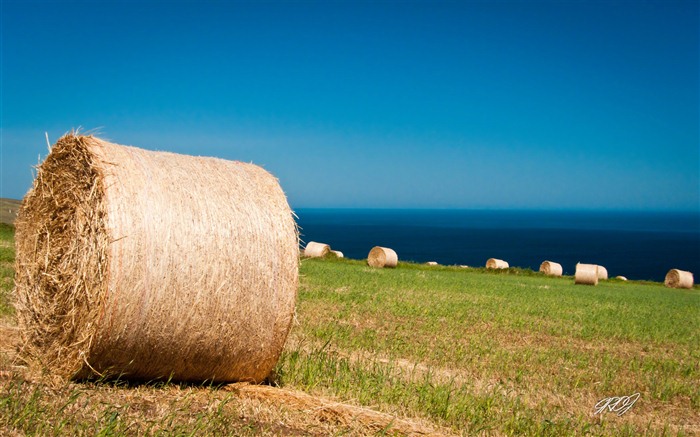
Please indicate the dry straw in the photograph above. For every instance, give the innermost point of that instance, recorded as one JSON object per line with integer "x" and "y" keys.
{"x": 154, "y": 265}
{"x": 550, "y": 268}
{"x": 338, "y": 254}
{"x": 382, "y": 257}
{"x": 493, "y": 263}
{"x": 327, "y": 410}
{"x": 586, "y": 274}
{"x": 602, "y": 273}
{"x": 679, "y": 279}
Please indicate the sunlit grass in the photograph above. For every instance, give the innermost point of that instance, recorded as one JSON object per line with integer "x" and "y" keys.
{"x": 7, "y": 259}
{"x": 539, "y": 351}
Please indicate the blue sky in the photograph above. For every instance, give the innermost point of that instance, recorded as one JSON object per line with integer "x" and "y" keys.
{"x": 473, "y": 104}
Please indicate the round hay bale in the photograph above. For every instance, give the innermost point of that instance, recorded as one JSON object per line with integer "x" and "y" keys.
{"x": 493, "y": 263}
{"x": 602, "y": 273}
{"x": 621, "y": 278}
{"x": 382, "y": 257}
{"x": 432, "y": 263}
{"x": 338, "y": 254}
{"x": 315, "y": 250}
{"x": 679, "y": 279}
{"x": 550, "y": 268}
{"x": 586, "y": 274}
{"x": 151, "y": 265}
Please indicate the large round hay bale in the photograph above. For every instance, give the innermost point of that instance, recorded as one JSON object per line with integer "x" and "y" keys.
{"x": 315, "y": 250}
{"x": 154, "y": 265}
{"x": 493, "y": 263}
{"x": 382, "y": 257}
{"x": 550, "y": 268}
{"x": 586, "y": 274}
{"x": 679, "y": 279}
{"x": 338, "y": 254}
{"x": 602, "y": 273}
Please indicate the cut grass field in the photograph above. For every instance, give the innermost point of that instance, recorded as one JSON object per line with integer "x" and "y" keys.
{"x": 416, "y": 349}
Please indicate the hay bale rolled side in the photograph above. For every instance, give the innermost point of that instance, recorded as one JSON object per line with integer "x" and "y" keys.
{"x": 316, "y": 250}
{"x": 154, "y": 265}
{"x": 679, "y": 279}
{"x": 602, "y": 273}
{"x": 550, "y": 268}
{"x": 586, "y": 274}
{"x": 494, "y": 263}
{"x": 621, "y": 278}
{"x": 382, "y": 257}
{"x": 338, "y": 254}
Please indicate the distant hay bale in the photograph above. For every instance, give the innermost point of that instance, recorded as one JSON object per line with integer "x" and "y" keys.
{"x": 493, "y": 263}
{"x": 586, "y": 274}
{"x": 621, "y": 278}
{"x": 602, "y": 272}
{"x": 679, "y": 279}
{"x": 550, "y": 268}
{"x": 432, "y": 263}
{"x": 315, "y": 250}
{"x": 149, "y": 265}
{"x": 338, "y": 254}
{"x": 382, "y": 257}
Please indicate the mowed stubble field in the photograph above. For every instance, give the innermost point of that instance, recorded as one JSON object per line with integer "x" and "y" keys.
{"x": 416, "y": 349}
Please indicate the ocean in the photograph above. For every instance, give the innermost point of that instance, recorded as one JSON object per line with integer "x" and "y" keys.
{"x": 637, "y": 245}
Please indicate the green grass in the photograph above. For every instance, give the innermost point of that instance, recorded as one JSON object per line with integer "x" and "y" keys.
{"x": 475, "y": 350}
{"x": 7, "y": 259}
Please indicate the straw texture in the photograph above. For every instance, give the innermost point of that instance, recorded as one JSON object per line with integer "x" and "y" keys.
{"x": 586, "y": 274}
{"x": 493, "y": 263}
{"x": 602, "y": 272}
{"x": 550, "y": 268}
{"x": 679, "y": 279}
{"x": 154, "y": 265}
{"x": 382, "y": 257}
{"x": 315, "y": 250}
{"x": 328, "y": 410}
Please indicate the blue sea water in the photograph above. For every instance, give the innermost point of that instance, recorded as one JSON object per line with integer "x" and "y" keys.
{"x": 638, "y": 245}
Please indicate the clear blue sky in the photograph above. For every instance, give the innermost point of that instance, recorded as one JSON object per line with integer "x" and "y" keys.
{"x": 472, "y": 104}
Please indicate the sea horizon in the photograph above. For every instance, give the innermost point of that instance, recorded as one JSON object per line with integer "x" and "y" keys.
{"x": 640, "y": 245}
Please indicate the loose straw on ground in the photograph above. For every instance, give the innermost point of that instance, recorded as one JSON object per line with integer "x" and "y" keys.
{"x": 586, "y": 274}
{"x": 315, "y": 250}
{"x": 550, "y": 268}
{"x": 148, "y": 265}
{"x": 679, "y": 279}
{"x": 328, "y": 410}
{"x": 382, "y": 257}
{"x": 493, "y": 263}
